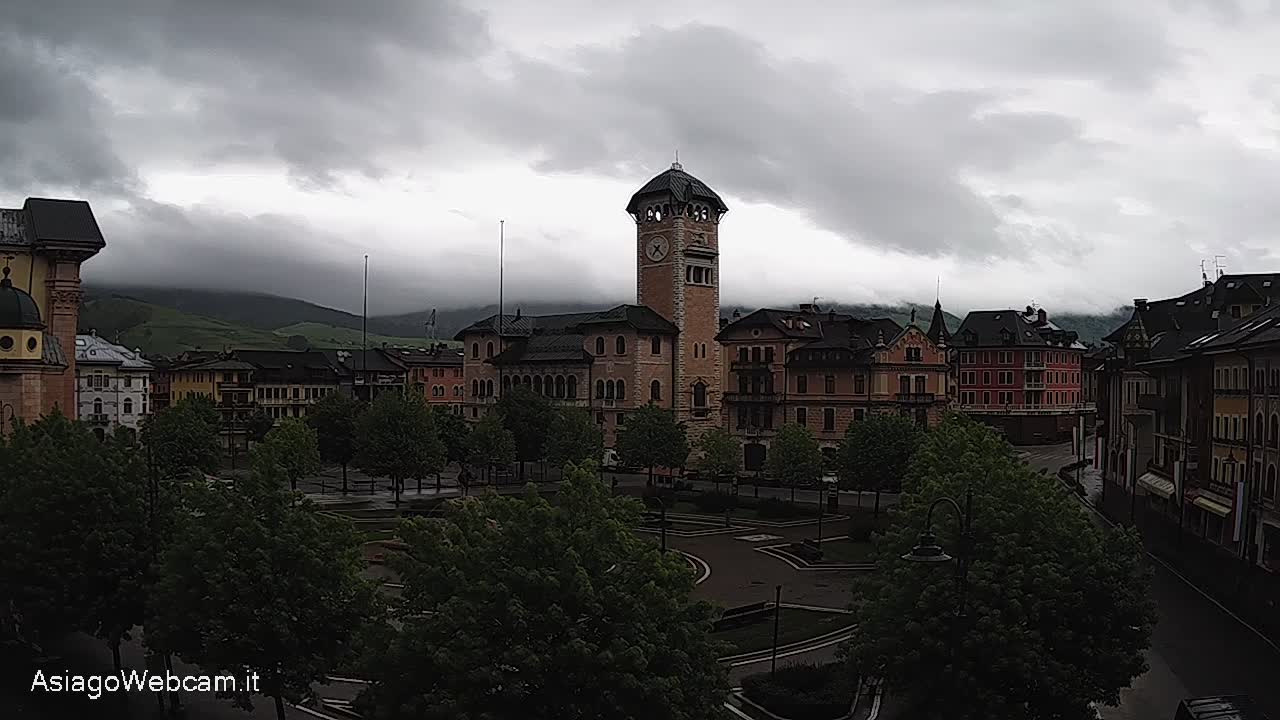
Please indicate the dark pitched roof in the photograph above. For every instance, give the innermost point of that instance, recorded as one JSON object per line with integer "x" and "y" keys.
{"x": 51, "y": 352}
{"x": 680, "y": 185}
{"x": 640, "y": 317}
{"x": 798, "y": 324}
{"x": 289, "y": 365}
{"x": 1206, "y": 308}
{"x": 18, "y": 310}
{"x": 1260, "y": 328}
{"x": 938, "y": 331}
{"x": 552, "y": 347}
{"x": 347, "y": 362}
{"x": 62, "y": 222}
{"x": 427, "y": 357}
{"x": 998, "y": 328}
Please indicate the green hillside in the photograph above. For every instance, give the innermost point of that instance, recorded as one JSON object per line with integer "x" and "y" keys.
{"x": 157, "y": 329}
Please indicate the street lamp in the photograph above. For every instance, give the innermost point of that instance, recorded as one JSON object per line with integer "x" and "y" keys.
{"x": 927, "y": 549}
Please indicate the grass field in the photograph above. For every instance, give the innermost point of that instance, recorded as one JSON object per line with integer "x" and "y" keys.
{"x": 794, "y": 625}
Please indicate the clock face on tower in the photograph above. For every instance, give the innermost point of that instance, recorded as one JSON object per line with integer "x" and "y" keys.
{"x": 656, "y": 248}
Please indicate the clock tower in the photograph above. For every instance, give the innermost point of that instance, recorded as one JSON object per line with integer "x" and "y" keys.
{"x": 678, "y": 275}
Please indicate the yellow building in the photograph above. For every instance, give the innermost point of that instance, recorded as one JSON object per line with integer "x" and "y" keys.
{"x": 42, "y": 245}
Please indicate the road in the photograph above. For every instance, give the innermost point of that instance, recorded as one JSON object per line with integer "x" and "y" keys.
{"x": 1197, "y": 648}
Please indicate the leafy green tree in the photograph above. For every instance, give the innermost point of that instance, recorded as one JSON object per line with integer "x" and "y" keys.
{"x": 396, "y": 438}
{"x": 528, "y": 415}
{"x": 183, "y": 438}
{"x": 795, "y": 459}
{"x": 652, "y": 438}
{"x": 574, "y": 437}
{"x": 455, "y": 433}
{"x": 1057, "y": 612}
{"x": 334, "y": 419}
{"x": 73, "y": 551}
{"x": 292, "y": 447}
{"x": 257, "y": 425}
{"x": 255, "y": 583}
{"x": 491, "y": 444}
{"x": 875, "y": 453}
{"x": 720, "y": 456}
{"x": 515, "y": 608}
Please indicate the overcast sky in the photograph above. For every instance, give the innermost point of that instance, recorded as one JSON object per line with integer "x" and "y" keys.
{"x": 1075, "y": 154}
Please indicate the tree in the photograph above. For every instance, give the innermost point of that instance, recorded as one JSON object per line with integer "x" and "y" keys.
{"x": 1057, "y": 612}
{"x": 528, "y": 415}
{"x": 875, "y": 453}
{"x": 574, "y": 437}
{"x": 292, "y": 447}
{"x": 334, "y": 419}
{"x": 491, "y": 443}
{"x": 396, "y": 437}
{"x": 297, "y": 342}
{"x": 455, "y": 433}
{"x": 515, "y": 608}
{"x": 720, "y": 455}
{"x": 652, "y": 438}
{"x": 255, "y": 583}
{"x": 183, "y": 438}
{"x": 795, "y": 459}
{"x": 73, "y": 552}
{"x": 257, "y": 425}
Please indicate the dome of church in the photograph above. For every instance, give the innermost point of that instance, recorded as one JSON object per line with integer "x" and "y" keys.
{"x": 680, "y": 185}
{"x": 18, "y": 309}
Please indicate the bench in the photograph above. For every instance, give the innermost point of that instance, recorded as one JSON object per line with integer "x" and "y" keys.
{"x": 743, "y": 615}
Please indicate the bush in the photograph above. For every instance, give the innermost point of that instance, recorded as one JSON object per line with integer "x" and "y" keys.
{"x": 715, "y": 502}
{"x": 803, "y": 691}
{"x": 776, "y": 508}
{"x": 861, "y": 526}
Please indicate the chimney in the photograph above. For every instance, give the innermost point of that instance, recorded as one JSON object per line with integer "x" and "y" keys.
{"x": 1030, "y": 311}
{"x": 517, "y": 312}
{"x": 1042, "y": 317}
{"x": 93, "y": 332}
{"x": 806, "y": 307}
{"x": 724, "y": 323}
{"x": 1140, "y": 304}
{"x": 737, "y": 313}
{"x": 831, "y": 315}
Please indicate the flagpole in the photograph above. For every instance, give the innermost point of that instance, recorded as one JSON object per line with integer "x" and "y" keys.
{"x": 502, "y": 236}
{"x": 364, "y": 330}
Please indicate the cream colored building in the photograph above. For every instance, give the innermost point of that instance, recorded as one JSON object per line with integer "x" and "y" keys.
{"x": 112, "y": 385}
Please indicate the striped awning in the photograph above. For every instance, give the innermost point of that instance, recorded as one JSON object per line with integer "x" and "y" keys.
{"x": 1213, "y": 506}
{"x": 1157, "y": 485}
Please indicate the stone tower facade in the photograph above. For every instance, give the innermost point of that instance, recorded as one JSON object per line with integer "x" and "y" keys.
{"x": 678, "y": 275}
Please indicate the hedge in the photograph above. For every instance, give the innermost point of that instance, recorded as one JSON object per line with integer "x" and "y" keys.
{"x": 803, "y": 691}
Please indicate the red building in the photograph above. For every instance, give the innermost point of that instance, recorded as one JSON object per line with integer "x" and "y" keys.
{"x": 1022, "y": 374}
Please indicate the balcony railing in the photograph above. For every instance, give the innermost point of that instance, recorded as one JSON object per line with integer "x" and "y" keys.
{"x": 1029, "y": 409}
{"x": 1029, "y": 363}
{"x": 235, "y": 384}
{"x": 924, "y": 398}
{"x": 750, "y": 365}
{"x": 1032, "y": 385}
{"x": 99, "y": 418}
{"x": 762, "y": 397}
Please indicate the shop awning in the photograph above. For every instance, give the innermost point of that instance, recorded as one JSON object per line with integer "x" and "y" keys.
{"x": 1157, "y": 485}
{"x": 1212, "y": 506}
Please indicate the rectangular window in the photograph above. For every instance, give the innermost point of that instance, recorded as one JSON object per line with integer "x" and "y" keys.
{"x": 828, "y": 419}
{"x": 986, "y": 398}
{"x": 986, "y": 377}
{"x": 914, "y": 354}
{"x": 829, "y": 384}
{"x": 622, "y": 419}
{"x": 859, "y": 384}
{"x": 921, "y": 384}
{"x": 768, "y": 354}
{"x": 859, "y": 414}
{"x": 802, "y": 384}
{"x": 802, "y": 416}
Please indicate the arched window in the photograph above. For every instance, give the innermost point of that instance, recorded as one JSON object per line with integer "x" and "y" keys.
{"x": 97, "y": 406}
{"x": 537, "y": 384}
{"x": 528, "y": 381}
{"x": 128, "y": 406}
{"x": 655, "y": 344}
{"x": 655, "y": 391}
{"x": 620, "y": 345}
{"x": 1269, "y": 487}
{"x": 599, "y": 346}
{"x": 475, "y": 350}
{"x": 548, "y": 385}
{"x": 599, "y": 388}
{"x": 699, "y": 394}
{"x": 622, "y": 389}
{"x": 1274, "y": 431}
{"x": 488, "y": 388}
{"x": 1258, "y": 433}
{"x": 571, "y": 387}
{"x": 475, "y": 388}
{"x": 488, "y": 350}
{"x": 608, "y": 390}
{"x": 559, "y": 386}
{"x": 506, "y": 383}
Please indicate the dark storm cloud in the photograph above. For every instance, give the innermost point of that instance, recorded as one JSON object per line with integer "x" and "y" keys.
{"x": 879, "y": 167}
{"x": 48, "y": 125}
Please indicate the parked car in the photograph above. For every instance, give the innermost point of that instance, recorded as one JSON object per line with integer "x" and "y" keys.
{"x": 1222, "y": 707}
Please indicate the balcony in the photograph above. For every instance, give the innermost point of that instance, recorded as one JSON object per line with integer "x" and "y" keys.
{"x": 748, "y": 365}
{"x": 915, "y": 398}
{"x": 763, "y": 397}
{"x": 228, "y": 403}
{"x": 98, "y": 418}
{"x": 1029, "y": 409}
{"x": 1032, "y": 385}
{"x": 1033, "y": 364}
{"x": 235, "y": 385}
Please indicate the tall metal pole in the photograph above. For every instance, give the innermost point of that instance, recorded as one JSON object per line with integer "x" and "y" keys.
{"x": 502, "y": 242}
{"x": 777, "y": 608}
{"x": 364, "y": 331}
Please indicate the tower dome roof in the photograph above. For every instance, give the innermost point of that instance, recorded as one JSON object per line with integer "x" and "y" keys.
{"x": 680, "y": 185}
{"x": 18, "y": 310}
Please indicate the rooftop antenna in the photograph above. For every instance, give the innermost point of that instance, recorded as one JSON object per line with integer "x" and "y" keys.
{"x": 430, "y": 327}
{"x": 502, "y": 243}
{"x": 937, "y": 298}
{"x": 676, "y": 165}
{"x": 1217, "y": 267}
{"x": 1204, "y": 276}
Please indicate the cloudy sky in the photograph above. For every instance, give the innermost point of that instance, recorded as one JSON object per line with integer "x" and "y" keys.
{"x": 1075, "y": 154}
